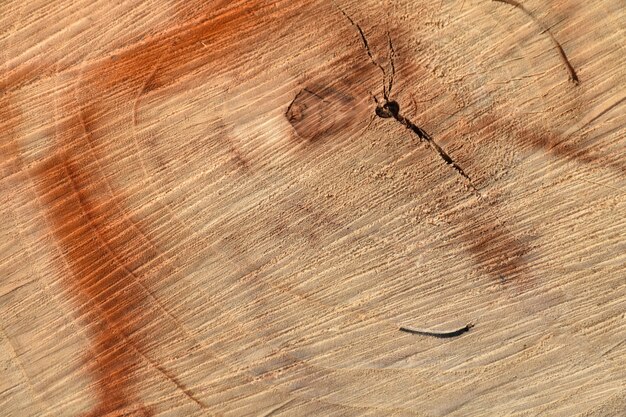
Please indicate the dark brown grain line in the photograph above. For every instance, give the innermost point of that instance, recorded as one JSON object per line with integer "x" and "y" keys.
{"x": 570, "y": 69}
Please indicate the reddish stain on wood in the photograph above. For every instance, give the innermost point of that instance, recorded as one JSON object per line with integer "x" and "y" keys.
{"x": 107, "y": 253}
{"x": 104, "y": 254}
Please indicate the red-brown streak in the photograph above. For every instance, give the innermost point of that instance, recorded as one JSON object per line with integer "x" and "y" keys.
{"x": 495, "y": 249}
{"x": 105, "y": 252}
{"x": 543, "y": 140}
{"x": 101, "y": 254}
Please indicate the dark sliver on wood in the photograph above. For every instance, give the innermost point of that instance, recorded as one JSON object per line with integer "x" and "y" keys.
{"x": 437, "y": 333}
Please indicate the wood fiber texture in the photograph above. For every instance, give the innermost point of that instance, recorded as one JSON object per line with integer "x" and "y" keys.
{"x": 232, "y": 207}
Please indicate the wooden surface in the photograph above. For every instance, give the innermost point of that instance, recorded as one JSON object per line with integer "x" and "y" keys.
{"x": 203, "y": 215}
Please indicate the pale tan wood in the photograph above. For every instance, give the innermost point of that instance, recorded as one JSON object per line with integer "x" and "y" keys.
{"x": 202, "y": 214}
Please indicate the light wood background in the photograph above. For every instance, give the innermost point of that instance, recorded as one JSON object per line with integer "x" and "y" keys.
{"x": 201, "y": 214}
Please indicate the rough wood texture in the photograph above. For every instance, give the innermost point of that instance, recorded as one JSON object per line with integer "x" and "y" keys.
{"x": 230, "y": 208}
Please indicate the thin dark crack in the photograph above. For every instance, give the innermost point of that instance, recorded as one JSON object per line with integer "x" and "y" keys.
{"x": 572, "y": 73}
{"x": 552, "y": 26}
{"x": 392, "y": 54}
{"x": 179, "y": 385}
{"x": 291, "y": 104}
{"x": 316, "y": 95}
{"x": 392, "y": 109}
{"x": 426, "y": 137}
{"x": 367, "y": 50}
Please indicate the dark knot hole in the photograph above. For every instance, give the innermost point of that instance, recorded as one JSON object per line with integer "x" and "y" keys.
{"x": 387, "y": 110}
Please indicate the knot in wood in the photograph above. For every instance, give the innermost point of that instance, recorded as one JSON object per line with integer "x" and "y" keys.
{"x": 318, "y": 112}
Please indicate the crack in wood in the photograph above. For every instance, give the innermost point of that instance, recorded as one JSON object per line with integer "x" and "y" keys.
{"x": 392, "y": 109}
{"x": 386, "y": 91}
